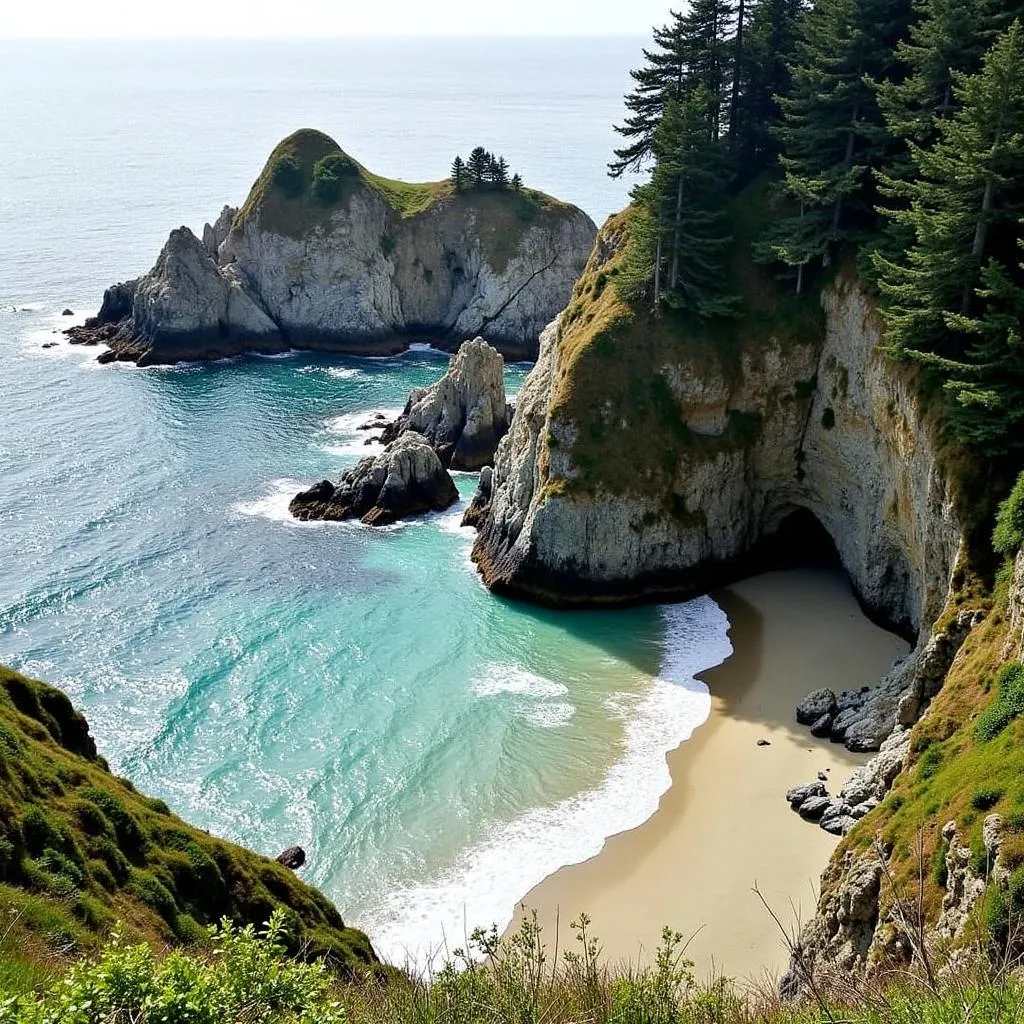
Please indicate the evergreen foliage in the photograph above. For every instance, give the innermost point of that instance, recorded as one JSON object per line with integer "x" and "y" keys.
{"x": 683, "y": 208}
{"x": 956, "y": 297}
{"x": 832, "y": 130}
{"x": 483, "y": 170}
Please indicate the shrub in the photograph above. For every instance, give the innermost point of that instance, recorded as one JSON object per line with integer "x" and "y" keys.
{"x": 828, "y": 418}
{"x": 92, "y": 820}
{"x": 995, "y": 915}
{"x": 1008, "y": 536}
{"x": 1008, "y": 705}
{"x": 250, "y": 979}
{"x": 154, "y": 894}
{"x": 931, "y": 761}
{"x": 985, "y": 799}
{"x": 126, "y": 826}
{"x": 329, "y": 174}
{"x": 287, "y": 175}
{"x": 940, "y": 872}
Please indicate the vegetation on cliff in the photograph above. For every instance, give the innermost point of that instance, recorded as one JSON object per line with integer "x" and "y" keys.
{"x": 308, "y": 177}
{"x": 247, "y": 978}
{"x": 81, "y": 850}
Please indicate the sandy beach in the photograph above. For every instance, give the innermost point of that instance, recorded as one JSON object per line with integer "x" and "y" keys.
{"x": 724, "y": 825}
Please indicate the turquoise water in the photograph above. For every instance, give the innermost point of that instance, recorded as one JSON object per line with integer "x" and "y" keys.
{"x": 436, "y": 750}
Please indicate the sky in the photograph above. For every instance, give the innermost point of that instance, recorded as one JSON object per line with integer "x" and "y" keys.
{"x": 105, "y": 19}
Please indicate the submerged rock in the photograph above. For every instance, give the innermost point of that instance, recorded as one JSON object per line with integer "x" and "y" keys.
{"x": 465, "y": 414}
{"x": 406, "y": 479}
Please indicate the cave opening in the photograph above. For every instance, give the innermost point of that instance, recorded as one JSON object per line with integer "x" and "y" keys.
{"x": 801, "y": 542}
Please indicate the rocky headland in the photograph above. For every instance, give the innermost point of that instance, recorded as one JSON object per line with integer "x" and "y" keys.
{"x": 648, "y": 460}
{"x": 326, "y": 255}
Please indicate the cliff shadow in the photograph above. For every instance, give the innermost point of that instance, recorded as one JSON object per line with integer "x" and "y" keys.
{"x": 795, "y": 625}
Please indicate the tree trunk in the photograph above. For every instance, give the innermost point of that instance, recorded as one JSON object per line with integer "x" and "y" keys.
{"x": 737, "y": 64}
{"x": 800, "y": 279}
{"x": 980, "y": 238}
{"x": 851, "y": 141}
{"x": 657, "y": 268}
{"x": 673, "y": 276}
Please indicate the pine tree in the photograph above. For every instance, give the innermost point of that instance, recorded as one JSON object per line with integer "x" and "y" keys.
{"x": 657, "y": 82}
{"x": 458, "y": 173}
{"x": 832, "y": 131}
{"x": 478, "y": 165}
{"x": 762, "y": 75}
{"x": 680, "y": 241}
{"x": 499, "y": 172}
{"x": 705, "y": 35}
{"x": 953, "y": 301}
{"x": 516, "y": 183}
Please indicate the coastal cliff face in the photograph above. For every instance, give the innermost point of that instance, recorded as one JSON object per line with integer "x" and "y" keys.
{"x": 359, "y": 267}
{"x": 683, "y": 483}
{"x": 645, "y": 459}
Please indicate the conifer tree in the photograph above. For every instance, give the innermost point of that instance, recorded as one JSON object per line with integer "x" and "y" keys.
{"x": 762, "y": 75}
{"x": 478, "y": 164}
{"x": 657, "y": 82}
{"x": 832, "y": 131}
{"x": 953, "y": 301}
{"x": 516, "y": 183}
{"x": 499, "y": 172}
{"x": 681, "y": 241}
{"x": 458, "y": 173}
{"x": 708, "y": 49}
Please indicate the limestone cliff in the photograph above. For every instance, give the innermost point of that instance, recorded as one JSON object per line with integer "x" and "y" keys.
{"x": 647, "y": 457}
{"x": 642, "y": 462}
{"x": 334, "y": 257}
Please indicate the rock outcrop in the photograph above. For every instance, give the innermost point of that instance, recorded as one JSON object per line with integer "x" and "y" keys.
{"x": 361, "y": 266}
{"x": 815, "y": 424}
{"x": 465, "y": 414}
{"x": 406, "y": 479}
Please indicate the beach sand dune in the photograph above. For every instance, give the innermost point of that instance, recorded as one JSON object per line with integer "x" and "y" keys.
{"x": 724, "y": 825}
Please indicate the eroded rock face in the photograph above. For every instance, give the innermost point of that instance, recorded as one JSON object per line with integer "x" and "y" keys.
{"x": 361, "y": 276}
{"x": 465, "y": 414}
{"x": 185, "y": 308}
{"x": 868, "y": 474}
{"x": 406, "y": 479}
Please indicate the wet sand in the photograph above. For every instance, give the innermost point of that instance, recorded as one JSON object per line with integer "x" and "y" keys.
{"x": 724, "y": 825}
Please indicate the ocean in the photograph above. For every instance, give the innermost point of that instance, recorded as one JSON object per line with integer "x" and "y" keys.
{"x": 436, "y": 750}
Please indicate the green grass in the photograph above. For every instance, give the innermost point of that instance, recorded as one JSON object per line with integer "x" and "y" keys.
{"x": 81, "y": 849}
{"x": 308, "y": 177}
{"x": 967, "y": 761}
{"x": 247, "y": 977}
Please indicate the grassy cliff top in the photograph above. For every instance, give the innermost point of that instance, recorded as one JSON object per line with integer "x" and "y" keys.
{"x": 81, "y": 849}
{"x": 612, "y": 351}
{"x": 290, "y": 199}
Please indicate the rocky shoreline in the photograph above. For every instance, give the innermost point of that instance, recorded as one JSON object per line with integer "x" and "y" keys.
{"x": 456, "y": 424}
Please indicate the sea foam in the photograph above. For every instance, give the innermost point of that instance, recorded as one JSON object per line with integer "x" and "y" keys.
{"x": 420, "y": 925}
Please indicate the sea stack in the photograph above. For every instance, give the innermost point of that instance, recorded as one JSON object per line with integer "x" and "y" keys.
{"x": 326, "y": 255}
{"x": 465, "y": 414}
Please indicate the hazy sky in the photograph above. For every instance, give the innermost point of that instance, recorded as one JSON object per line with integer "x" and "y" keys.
{"x": 317, "y": 18}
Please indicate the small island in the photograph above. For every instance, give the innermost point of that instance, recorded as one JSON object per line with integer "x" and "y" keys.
{"x": 326, "y": 255}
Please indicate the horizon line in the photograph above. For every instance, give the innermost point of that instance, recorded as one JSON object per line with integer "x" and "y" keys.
{"x": 351, "y": 37}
